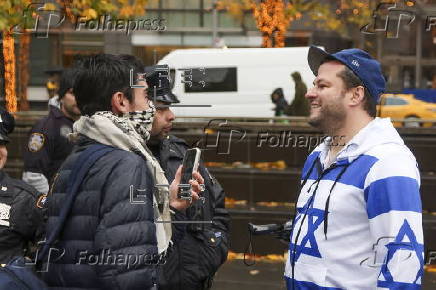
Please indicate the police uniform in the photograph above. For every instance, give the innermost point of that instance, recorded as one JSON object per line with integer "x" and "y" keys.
{"x": 192, "y": 262}
{"x": 21, "y": 207}
{"x": 48, "y": 146}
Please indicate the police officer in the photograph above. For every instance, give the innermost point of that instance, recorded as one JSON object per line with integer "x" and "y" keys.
{"x": 21, "y": 217}
{"x": 48, "y": 145}
{"x": 52, "y": 85}
{"x": 192, "y": 263}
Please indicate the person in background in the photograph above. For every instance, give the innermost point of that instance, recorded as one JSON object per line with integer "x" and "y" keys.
{"x": 52, "y": 86}
{"x": 193, "y": 262}
{"x": 278, "y": 99}
{"x": 21, "y": 205}
{"x": 299, "y": 105}
{"x": 48, "y": 145}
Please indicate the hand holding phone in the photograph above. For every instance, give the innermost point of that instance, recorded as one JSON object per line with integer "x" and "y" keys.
{"x": 190, "y": 164}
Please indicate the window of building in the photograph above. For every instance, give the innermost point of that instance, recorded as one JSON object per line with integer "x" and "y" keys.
{"x": 223, "y": 79}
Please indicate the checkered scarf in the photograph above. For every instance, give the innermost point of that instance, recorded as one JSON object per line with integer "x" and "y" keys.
{"x": 142, "y": 121}
{"x": 130, "y": 132}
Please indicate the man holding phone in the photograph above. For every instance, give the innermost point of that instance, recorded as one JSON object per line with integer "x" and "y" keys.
{"x": 203, "y": 249}
{"x": 117, "y": 208}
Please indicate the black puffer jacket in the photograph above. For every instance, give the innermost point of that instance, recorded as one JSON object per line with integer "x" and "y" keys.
{"x": 105, "y": 226}
{"x": 193, "y": 261}
{"x": 21, "y": 220}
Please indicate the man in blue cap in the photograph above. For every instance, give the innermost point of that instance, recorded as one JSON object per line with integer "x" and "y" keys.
{"x": 358, "y": 220}
{"x": 21, "y": 213}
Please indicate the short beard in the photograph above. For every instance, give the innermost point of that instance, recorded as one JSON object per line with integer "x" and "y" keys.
{"x": 153, "y": 141}
{"x": 70, "y": 112}
{"x": 330, "y": 119}
{"x": 159, "y": 136}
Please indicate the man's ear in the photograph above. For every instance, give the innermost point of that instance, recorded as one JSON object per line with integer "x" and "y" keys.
{"x": 358, "y": 95}
{"x": 119, "y": 103}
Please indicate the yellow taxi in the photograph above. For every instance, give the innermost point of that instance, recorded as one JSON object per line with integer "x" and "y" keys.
{"x": 405, "y": 106}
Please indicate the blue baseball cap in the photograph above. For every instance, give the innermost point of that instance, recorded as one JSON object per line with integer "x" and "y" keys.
{"x": 367, "y": 69}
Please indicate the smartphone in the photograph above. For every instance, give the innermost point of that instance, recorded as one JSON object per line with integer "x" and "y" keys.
{"x": 190, "y": 164}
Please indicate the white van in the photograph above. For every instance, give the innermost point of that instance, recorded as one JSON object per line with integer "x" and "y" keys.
{"x": 235, "y": 82}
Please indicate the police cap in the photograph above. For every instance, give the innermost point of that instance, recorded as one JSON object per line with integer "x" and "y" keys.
{"x": 159, "y": 88}
{"x": 66, "y": 83}
{"x": 7, "y": 124}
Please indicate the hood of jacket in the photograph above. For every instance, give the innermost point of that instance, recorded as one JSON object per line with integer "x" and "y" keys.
{"x": 379, "y": 131}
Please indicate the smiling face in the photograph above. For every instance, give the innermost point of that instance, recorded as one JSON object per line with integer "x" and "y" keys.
{"x": 327, "y": 98}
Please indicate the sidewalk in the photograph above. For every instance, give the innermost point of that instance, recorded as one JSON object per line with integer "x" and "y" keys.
{"x": 234, "y": 275}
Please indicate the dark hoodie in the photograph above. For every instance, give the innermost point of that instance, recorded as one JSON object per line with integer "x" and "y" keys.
{"x": 280, "y": 102}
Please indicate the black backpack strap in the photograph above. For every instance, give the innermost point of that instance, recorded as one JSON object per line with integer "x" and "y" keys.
{"x": 81, "y": 167}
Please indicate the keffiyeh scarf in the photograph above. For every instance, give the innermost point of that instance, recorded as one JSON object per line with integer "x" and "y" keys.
{"x": 130, "y": 132}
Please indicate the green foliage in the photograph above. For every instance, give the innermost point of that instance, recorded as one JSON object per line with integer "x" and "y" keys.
{"x": 13, "y": 12}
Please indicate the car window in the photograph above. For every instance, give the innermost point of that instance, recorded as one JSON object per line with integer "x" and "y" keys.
{"x": 395, "y": 102}
{"x": 222, "y": 79}
{"x": 172, "y": 78}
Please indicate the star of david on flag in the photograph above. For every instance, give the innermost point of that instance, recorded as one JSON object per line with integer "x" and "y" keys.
{"x": 308, "y": 244}
{"x": 405, "y": 240}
